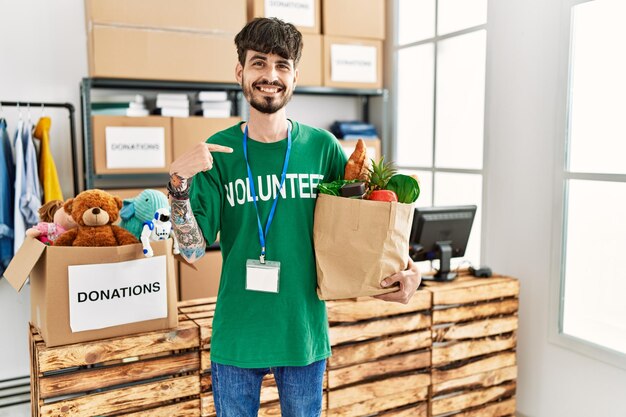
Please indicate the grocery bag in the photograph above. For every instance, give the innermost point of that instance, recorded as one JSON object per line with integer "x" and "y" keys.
{"x": 358, "y": 243}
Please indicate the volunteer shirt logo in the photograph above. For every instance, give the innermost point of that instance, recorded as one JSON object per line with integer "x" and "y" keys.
{"x": 266, "y": 187}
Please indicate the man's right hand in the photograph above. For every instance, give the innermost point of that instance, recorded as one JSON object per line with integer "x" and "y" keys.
{"x": 197, "y": 159}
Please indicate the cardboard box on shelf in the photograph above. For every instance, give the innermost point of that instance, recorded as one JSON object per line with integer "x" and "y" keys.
{"x": 310, "y": 66}
{"x": 203, "y": 281}
{"x": 124, "y": 52}
{"x": 353, "y": 62}
{"x": 188, "y": 132}
{"x": 372, "y": 146}
{"x": 125, "y": 193}
{"x": 304, "y": 14}
{"x": 355, "y": 18}
{"x": 132, "y": 145}
{"x": 198, "y": 15}
{"x": 89, "y": 293}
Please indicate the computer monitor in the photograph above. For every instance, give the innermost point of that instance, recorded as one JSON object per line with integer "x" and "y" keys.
{"x": 440, "y": 233}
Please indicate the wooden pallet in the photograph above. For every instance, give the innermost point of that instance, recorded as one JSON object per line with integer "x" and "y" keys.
{"x": 381, "y": 357}
{"x": 201, "y": 312}
{"x": 152, "y": 374}
{"x": 474, "y": 331}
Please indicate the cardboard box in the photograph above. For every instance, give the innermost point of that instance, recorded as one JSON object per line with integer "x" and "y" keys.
{"x": 75, "y": 299}
{"x": 122, "y": 52}
{"x": 310, "y": 66}
{"x": 125, "y": 193}
{"x": 133, "y": 151}
{"x": 355, "y": 18}
{"x": 353, "y": 62}
{"x": 198, "y": 15}
{"x": 203, "y": 282}
{"x": 372, "y": 146}
{"x": 304, "y": 14}
{"x": 187, "y": 132}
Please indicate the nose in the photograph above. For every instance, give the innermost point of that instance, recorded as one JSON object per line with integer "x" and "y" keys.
{"x": 96, "y": 211}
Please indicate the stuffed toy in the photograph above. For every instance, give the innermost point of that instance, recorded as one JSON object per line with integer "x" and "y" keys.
{"x": 94, "y": 211}
{"x": 140, "y": 209}
{"x": 54, "y": 222}
{"x": 159, "y": 228}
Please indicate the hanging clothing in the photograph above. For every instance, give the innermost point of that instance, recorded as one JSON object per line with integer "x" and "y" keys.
{"x": 30, "y": 199}
{"x": 47, "y": 168}
{"x": 19, "y": 226}
{"x": 7, "y": 174}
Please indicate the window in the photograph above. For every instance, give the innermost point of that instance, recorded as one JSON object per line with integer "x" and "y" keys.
{"x": 593, "y": 236}
{"x": 439, "y": 102}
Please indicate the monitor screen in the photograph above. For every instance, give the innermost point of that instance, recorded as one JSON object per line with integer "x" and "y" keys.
{"x": 441, "y": 233}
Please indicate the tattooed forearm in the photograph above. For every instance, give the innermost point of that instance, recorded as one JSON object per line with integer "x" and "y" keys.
{"x": 179, "y": 183}
{"x": 190, "y": 238}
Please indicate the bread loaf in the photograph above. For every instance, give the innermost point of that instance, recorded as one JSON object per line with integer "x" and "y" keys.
{"x": 358, "y": 164}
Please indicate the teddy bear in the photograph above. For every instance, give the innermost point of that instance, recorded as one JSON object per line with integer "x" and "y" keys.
{"x": 54, "y": 222}
{"x": 94, "y": 211}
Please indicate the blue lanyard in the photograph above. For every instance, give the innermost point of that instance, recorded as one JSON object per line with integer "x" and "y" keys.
{"x": 262, "y": 234}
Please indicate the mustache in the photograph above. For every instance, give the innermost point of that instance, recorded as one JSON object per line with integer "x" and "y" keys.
{"x": 275, "y": 83}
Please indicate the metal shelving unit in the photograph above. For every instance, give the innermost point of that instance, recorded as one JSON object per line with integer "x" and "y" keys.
{"x": 234, "y": 93}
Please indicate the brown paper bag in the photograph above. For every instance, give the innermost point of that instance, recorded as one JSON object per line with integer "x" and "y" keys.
{"x": 358, "y": 243}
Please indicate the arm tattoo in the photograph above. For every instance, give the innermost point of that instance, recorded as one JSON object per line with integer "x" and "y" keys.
{"x": 179, "y": 183}
{"x": 190, "y": 238}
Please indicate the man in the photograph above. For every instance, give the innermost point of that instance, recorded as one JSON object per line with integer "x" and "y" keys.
{"x": 256, "y": 183}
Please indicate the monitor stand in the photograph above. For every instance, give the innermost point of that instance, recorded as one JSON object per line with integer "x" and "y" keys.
{"x": 443, "y": 274}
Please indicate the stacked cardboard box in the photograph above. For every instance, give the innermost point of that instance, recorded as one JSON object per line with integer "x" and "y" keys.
{"x": 163, "y": 39}
{"x": 353, "y": 32}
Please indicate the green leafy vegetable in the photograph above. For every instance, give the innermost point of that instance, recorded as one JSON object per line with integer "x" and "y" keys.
{"x": 332, "y": 188}
{"x": 407, "y": 188}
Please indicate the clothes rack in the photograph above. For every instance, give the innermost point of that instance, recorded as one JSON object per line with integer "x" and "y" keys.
{"x": 71, "y": 110}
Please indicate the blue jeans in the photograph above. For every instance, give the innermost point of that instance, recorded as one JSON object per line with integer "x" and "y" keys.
{"x": 236, "y": 391}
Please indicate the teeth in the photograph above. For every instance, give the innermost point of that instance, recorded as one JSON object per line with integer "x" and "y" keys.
{"x": 268, "y": 90}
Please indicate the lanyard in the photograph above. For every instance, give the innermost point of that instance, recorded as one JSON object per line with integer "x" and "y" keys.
{"x": 263, "y": 234}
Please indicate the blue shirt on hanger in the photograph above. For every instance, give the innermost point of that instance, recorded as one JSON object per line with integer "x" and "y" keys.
{"x": 7, "y": 177}
{"x": 30, "y": 198}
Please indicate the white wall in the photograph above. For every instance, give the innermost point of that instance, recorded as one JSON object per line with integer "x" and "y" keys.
{"x": 43, "y": 58}
{"x": 524, "y": 110}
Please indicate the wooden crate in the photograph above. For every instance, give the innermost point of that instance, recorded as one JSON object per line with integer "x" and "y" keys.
{"x": 381, "y": 357}
{"x": 201, "y": 312}
{"x": 153, "y": 374}
{"x": 474, "y": 331}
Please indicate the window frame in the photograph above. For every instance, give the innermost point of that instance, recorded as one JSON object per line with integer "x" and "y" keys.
{"x": 562, "y": 177}
{"x": 394, "y": 48}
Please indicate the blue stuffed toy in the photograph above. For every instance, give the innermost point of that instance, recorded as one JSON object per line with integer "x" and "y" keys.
{"x": 139, "y": 210}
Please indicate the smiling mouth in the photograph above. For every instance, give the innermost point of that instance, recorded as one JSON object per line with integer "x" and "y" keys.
{"x": 269, "y": 89}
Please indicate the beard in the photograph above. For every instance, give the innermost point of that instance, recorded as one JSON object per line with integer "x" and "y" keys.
{"x": 265, "y": 104}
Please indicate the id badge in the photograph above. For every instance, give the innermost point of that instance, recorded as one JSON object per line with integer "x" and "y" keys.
{"x": 262, "y": 277}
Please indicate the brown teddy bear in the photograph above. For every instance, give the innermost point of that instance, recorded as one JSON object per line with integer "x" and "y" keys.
{"x": 94, "y": 211}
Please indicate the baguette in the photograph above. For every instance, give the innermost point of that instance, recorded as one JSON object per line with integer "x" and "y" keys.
{"x": 358, "y": 165}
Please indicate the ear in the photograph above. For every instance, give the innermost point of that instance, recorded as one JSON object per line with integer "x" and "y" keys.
{"x": 128, "y": 210}
{"x": 296, "y": 76}
{"x": 118, "y": 201}
{"x": 67, "y": 206}
{"x": 239, "y": 73}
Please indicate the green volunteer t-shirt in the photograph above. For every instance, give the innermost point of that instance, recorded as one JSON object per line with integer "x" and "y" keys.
{"x": 254, "y": 329}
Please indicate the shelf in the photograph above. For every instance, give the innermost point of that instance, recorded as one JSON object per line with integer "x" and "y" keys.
{"x": 123, "y": 83}
{"x": 93, "y": 180}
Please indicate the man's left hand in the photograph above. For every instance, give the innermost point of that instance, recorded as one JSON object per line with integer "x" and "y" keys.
{"x": 409, "y": 280}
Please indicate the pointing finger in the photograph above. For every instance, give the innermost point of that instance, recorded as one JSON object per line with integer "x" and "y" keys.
{"x": 219, "y": 148}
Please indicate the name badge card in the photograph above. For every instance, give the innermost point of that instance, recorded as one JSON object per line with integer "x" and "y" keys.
{"x": 262, "y": 276}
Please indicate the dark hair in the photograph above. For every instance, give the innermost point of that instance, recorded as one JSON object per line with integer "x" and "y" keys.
{"x": 46, "y": 212}
{"x": 269, "y": 35}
